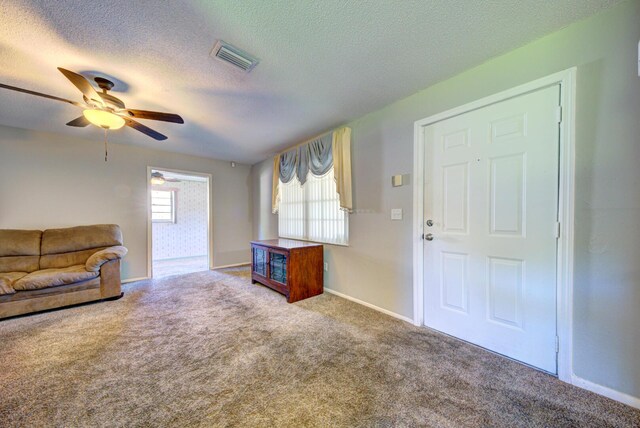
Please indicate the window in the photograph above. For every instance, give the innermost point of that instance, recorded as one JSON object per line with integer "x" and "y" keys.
{"x": 163, "y": 206}
{"x": 312, "y": 212}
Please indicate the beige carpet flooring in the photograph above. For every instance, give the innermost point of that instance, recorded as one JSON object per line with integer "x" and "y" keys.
{"x": 209, "y": 349}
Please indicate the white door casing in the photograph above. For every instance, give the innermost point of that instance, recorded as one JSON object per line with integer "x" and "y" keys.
{"x": 209, "y": 178}
{"x": 491, "y": 190}
{"x": 566, "y": 206}
{"x": 566, "y": 80}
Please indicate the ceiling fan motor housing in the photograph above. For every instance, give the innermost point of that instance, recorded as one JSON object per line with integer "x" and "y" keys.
{"x": 103, "y": 83}
{"x": 111, "y": 101}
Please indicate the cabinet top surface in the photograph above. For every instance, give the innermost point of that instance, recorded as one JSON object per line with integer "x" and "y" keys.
{"x": 286, "y": 244}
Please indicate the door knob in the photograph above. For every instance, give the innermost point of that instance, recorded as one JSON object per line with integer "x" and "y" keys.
{"x": 429, "y": 223}
{"x": 429, "y": 236}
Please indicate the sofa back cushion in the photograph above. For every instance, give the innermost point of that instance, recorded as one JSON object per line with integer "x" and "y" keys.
{"x": 74, "y": 245}
{"x": 19, "y": 250}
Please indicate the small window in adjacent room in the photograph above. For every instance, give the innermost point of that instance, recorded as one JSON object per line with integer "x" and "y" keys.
{"x": 163, "y": 206}
{"x": 312, "y": 212}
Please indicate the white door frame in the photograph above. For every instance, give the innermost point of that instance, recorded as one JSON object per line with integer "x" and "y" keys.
{"x": 564, "y": 300}
{"x": 209, "y": 178}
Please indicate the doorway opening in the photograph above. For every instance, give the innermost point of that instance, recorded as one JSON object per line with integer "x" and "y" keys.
{"x": 179, "y": 222}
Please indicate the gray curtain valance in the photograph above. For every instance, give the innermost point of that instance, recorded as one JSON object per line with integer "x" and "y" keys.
{"x": 331, "y": 150}
{"x": 288, "y": 161}
{"x": 315, "y": 157}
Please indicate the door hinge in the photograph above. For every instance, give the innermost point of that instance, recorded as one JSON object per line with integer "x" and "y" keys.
{"x": 557, "y": 344}
{"x": 559, "y": 114}
{"x": 557, "y": 230}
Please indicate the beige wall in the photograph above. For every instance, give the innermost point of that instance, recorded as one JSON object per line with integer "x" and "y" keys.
{"x": 377, "y": 266}
{"x": 48, "y": 180}
{"x": 265, "y": 224}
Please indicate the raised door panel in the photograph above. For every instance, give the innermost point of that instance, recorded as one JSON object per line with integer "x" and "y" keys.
{"x": 455, "y": 198}
{"x": 509, "y": 128}
{"x": 453, "y": 281}
{"x": 455, "y": 139}
{"x": 507, "y": 197}
{"x": 505, "y": 291}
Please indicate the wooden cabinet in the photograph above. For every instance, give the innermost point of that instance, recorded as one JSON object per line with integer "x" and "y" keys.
{"x": 293, "y": 268}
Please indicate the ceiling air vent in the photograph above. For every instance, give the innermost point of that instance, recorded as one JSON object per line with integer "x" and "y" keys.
{"x": 234, "y": 56}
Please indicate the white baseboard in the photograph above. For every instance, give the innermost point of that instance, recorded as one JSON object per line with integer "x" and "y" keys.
{"x": 142, "y": 278}
{"x": 605, "y": 391}
{"x": 369, "y": 305}
{"x": 230, "y": 266}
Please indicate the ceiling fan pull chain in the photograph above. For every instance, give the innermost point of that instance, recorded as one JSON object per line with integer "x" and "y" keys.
{"x": 105, "y": 145}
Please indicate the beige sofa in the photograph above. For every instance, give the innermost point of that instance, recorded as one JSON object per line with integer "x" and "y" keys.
{"x": 58, "y": 267}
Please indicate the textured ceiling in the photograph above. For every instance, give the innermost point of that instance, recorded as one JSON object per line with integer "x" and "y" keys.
{"x": 323, "y": 63}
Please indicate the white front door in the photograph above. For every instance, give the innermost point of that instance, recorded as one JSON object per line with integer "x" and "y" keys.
{"x": 491, "y": 195}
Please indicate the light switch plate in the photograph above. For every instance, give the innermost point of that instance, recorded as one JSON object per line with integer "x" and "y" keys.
{"x": 396, "y": 214}
{"x": 396, "y": 180}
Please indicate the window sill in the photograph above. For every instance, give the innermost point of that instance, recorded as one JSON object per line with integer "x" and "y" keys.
{"x": 315, "y": 242}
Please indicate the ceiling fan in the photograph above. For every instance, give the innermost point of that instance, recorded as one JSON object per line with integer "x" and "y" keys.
{"x": 102, "y": 109}
{"x": 158, "y": 178}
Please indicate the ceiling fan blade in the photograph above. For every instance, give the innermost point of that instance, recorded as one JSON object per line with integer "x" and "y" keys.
{"x": 154, "y": 115}
{"x": 83, "y": 84}
{"x": 173, "y": 180}
{"x": 144, "y": 129}
{"x": 79, "y": 122}
{"x": 40, "y": 94}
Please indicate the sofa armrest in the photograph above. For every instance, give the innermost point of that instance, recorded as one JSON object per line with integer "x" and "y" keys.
{"x": 110, "y": 283}
{"x": 96, "y": 260}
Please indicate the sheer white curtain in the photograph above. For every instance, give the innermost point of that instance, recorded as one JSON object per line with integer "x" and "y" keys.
{"x": 312, "y": 212}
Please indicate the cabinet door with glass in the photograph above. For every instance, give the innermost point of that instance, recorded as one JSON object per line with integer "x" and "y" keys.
{"x": 260, "y": 261}
{"x": 278, "y": 266}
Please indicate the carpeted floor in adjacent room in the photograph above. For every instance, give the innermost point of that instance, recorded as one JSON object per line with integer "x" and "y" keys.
{"x": 210, "y": 349}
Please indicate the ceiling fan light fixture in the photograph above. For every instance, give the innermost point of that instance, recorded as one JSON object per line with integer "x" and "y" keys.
{"x": 103, "y": 119}
{"x": 157, "y": 178}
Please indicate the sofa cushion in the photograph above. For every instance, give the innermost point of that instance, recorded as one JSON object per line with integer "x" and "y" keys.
{"x": 53, "y": 277}
{"x": 63, "y": 260}
{"x": 19, "y": 250}
{"x": 72, "y": 246}
{"x": 56, "y": 241}
{"x": 19, "y": 264}
{"x": 101, "y": 257}
{"x": 19, "y": 242}
{"x": 60, "y": 290}
{"x": 7, "y": 279}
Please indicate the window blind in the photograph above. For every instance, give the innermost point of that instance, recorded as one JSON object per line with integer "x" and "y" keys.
{"x": 312, "y": 212}
{"x": 163, "y": 206}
